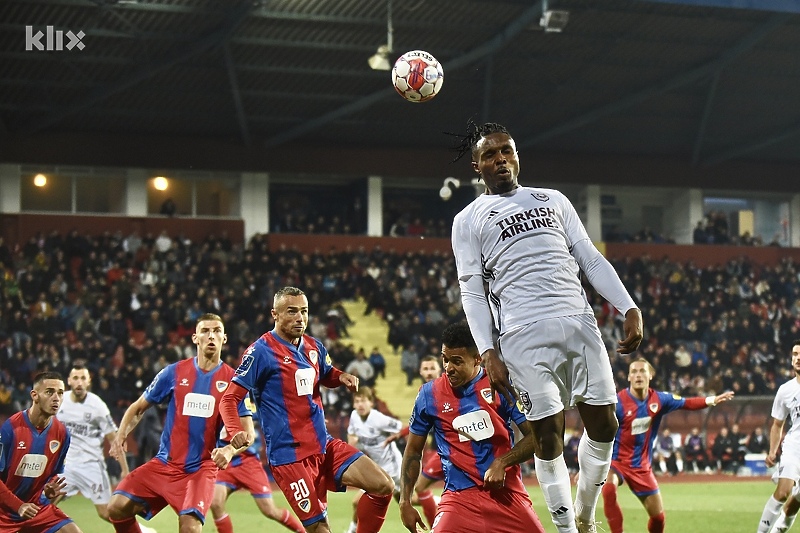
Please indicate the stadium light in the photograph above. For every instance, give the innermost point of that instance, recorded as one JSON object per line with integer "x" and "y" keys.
{"x": 380, "y": 60}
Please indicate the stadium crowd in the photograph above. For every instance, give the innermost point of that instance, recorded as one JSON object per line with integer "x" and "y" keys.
{"x": 127, "y": 304}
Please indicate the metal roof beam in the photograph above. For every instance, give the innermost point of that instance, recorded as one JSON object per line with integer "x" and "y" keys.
{"x": 496, "y": 43}
{"x": 781, "y": 6}
{"x": 685, "y": 78}
{"x": 746, "y": 148}
{"x": 701, "y": 130}
{"x": 237, "y": 95}
{"x": 213, "y": 39}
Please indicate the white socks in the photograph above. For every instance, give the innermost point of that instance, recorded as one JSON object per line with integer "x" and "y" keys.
{"x": 771, "y": 511}
{"x": 594, "y": 460}
{"x": 783, "y": 523}
{"x": 553, "y": 478}
{"x": 352, "y": 528}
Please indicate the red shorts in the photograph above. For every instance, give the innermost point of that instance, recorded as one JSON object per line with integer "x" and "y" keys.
{"x": 248, "y": 475}
{"x": 305, "y": 483}
{"x": 156, "y": 485}
{"x": 641, "y": 481}
{"x": 432, "y": 467}
{"x": 480, "y": 510}
{"x": 49, "y": 518}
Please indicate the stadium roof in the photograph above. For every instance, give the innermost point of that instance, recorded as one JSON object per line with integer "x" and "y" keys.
{"x": 692, "y": 81}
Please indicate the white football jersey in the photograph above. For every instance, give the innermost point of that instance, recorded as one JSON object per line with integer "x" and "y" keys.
{"x": 520, "y": 243}
{"x": 371, "y": 433}
{"x": 787, "y": 405}
{"x": 88, "y": 423}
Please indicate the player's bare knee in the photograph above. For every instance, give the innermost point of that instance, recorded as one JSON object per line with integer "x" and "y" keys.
{"x": 102, "y": 512}
{"x": 118, "y": 508}
{"x": 189, "y": 523}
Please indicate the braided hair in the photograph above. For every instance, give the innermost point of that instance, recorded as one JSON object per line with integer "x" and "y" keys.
{"x": 467, "y": 143}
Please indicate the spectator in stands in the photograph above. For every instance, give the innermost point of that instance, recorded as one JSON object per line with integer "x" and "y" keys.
{"x": 667, "y": 456}
{"x": 169, "y": 208}
{"x": 758, "y": 441}
{"x": 741, "y": 444}
{"x": 378, "y": 362}
{"x": 361, "y": 367}
{"x": 724, "y": 451}
{"x": 694, "y": 452}
{"x": 409, "y": 362}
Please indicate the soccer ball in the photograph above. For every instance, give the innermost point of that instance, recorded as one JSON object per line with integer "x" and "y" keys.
{"x": 417, "y": 76}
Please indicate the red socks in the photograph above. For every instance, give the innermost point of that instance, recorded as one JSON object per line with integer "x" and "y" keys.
{"x": 224, "y": 524}
{"x": 372, "y": 512}
{"x": 290, "y": 521}
{"x": 126, "y": 525}
{"x": 428, "y": 504}
{"x": 656, "y": 523}
{"x": 611, "y": 508}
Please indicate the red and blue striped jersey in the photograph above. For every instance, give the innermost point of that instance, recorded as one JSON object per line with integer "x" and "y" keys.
{"x": 284, "y": 379}
{"x": 639, "y": 421}
{"x": 29, "y": 458}
{"x": 469, "y": 430}
{"x": 193, "y": 422}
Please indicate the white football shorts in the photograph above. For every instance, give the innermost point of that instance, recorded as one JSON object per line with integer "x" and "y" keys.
{"x": 556, "y": 363}
{"x": 90, "y": 479}
{"x": 788, "y": 466}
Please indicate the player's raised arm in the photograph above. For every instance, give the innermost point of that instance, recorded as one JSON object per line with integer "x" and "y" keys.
{"x": 229, "y": 410}
{"x": 129, "y": 421}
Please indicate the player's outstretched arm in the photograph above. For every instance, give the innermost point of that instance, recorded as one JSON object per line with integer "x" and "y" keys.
{"x": 775, "y": 434}
{"x": 123, "y": 461}
{"x": 229, "y": 410}
{"x": 633, "y": 328}
{"x": 497, "y": 371}
{"x": 495, "y": 476}
{"x": 54, "y": 490}
{"x": 409, "y": 472}
{"x": 129, "y": 421}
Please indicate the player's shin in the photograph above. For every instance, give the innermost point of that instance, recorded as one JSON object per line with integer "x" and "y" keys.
{"x": 372, "y": 512}
{"x": 428, "y": 504}
{"x": 771, "y": 511}
{"x": 554, "y": 480}
{"x": 611, "y": 508}
{"x": 594, "y": 459}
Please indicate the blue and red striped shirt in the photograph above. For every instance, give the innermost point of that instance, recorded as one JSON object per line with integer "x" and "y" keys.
{"x": 284, "y": 380}
{"x": 29, "y": 458}
{"x": 193, "y": 422}
{"x": 470, "y": 431}
{"x": 639, "y": 421}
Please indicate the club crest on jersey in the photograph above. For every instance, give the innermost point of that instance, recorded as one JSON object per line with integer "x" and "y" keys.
{"x": 654, "y": 407}
{"x": 222, "y": 385}
{"x": 542, "y": 197}
{"x": 487, "y": 394}
{"x": 314, "y": 355}
{"x": 87, "y": 417}
{"x": 304, "y": 504}
{"x": 54, "y": 445}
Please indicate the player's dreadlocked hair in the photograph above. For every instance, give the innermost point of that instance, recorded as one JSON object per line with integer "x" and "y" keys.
{"x": 466, "y": 143}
